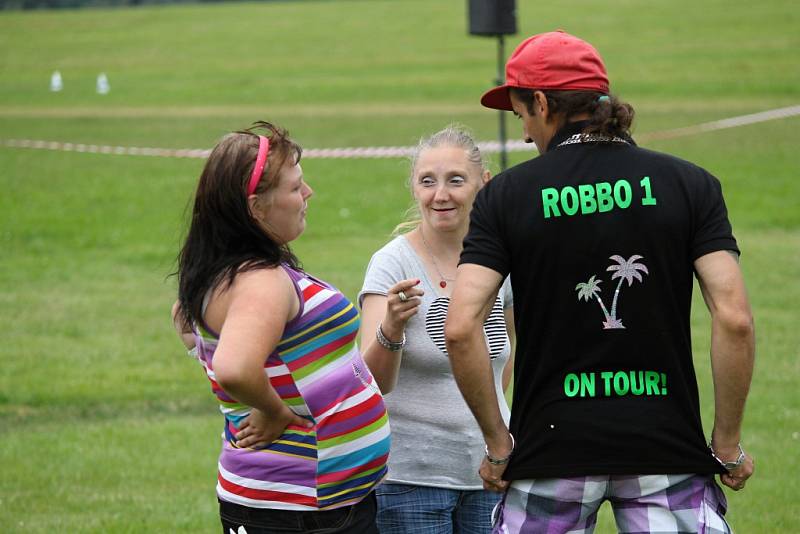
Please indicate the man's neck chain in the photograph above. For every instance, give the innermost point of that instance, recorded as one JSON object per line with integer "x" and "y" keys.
{"x": 591, "y": 138}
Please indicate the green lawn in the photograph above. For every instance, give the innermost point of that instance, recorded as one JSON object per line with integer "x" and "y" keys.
{"x": 106, "y": 425}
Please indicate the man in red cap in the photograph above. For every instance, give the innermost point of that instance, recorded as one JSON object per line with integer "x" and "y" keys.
{"x": 601, "y": 239}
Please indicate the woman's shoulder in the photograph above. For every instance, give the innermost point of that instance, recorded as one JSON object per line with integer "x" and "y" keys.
{"x": 388, "y": 265}
{"x": 398, "y": 251}
{"x": 261, "y": 281}
{"x": 397, "y": 246}
{"x": 267, "y": 288}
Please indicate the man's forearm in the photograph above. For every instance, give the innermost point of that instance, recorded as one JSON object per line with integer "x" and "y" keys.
{"x": 732, "y": 345}
{"x": 732, "y": 360}
{"x": 473, "y": 373}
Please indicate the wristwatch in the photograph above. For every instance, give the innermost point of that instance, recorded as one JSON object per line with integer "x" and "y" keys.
{"x": 729, "y": 466}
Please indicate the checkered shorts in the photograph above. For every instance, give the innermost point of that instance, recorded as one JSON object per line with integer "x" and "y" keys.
{"x": 674, "y": 504}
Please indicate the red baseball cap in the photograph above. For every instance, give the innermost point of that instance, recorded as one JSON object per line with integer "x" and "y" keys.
{"x": 554, "y": 60}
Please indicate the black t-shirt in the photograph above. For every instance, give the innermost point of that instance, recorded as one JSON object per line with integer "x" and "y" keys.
{"x": 599, "y": 239}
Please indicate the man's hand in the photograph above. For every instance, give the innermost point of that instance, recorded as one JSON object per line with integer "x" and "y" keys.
{"x": 499, "y": 448}
{"x": 492, "y": 476}
{"x": 736, "y": 478}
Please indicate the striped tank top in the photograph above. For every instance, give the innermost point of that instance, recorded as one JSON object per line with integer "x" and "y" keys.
{"x": 318, "y": 372}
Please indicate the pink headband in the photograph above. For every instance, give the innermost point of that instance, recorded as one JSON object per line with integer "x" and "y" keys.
{"x": 261, "y": 160}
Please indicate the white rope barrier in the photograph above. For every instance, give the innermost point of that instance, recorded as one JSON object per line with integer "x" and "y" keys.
{"x": 733, "y": 122}
{"x": 489, "y": 147}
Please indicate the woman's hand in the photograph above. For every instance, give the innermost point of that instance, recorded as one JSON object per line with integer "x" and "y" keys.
{"x": 391, "y": 313}
{"x": 402, "y": 303}
{"x": 260, "y": 429}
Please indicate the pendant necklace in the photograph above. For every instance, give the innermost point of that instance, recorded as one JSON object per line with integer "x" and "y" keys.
{"x": 442, "y": 278}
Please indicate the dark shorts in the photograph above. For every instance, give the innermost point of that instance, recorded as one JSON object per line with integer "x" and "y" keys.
{"x": 356, "y": 519}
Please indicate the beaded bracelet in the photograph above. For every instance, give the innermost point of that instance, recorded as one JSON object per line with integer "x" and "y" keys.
{"x": 393, "y": 346}
{"x": 500, "y": 461}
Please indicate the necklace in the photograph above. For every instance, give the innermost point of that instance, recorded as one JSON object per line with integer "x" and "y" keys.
{"x": 592, "y": 138}
{"x": 442, "y": 278}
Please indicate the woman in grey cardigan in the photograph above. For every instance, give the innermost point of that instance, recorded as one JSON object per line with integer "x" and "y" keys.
{"x": 433, "y": 484}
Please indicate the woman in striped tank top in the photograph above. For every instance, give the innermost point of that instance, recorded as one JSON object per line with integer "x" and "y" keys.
{"x": 306, "y": 437}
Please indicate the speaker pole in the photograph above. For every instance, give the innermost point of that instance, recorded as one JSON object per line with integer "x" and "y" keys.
{"x": 501, "y": 56}
{"x": 495, "y": 18}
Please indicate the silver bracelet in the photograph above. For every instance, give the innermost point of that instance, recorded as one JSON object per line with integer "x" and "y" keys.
{"x": 500, "y": 461}
{"x": 393, "y": 346}
{"x": 729, "y": 466}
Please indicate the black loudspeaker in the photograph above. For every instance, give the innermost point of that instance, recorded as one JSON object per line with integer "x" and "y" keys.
{"x": 492, "y": 17}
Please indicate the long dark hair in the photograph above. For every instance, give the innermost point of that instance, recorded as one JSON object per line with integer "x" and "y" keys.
{"x": 609, "y": 115}
{"x": 224, "y": 238}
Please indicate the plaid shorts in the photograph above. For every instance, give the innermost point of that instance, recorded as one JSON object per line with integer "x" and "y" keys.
{"x": 646, "y": 504}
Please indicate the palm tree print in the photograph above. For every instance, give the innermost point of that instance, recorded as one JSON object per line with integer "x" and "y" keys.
{"x": 623, "y": 269}
{"x": 589, "y": 290}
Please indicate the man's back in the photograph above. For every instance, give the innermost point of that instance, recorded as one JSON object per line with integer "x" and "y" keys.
{"x": 599, "y": 239}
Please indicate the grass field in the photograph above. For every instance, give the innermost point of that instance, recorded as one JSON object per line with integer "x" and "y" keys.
{"x": 105, "y": 426}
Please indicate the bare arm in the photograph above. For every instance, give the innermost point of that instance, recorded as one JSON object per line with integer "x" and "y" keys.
{"x": 181, "y": 328}
{"x": 732, "y": 354}
{"x": 259, "y": 304}
{"x": 508, "y": 370}
{"x": 393, "y": 315}
{"x": 475, "y": 290}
